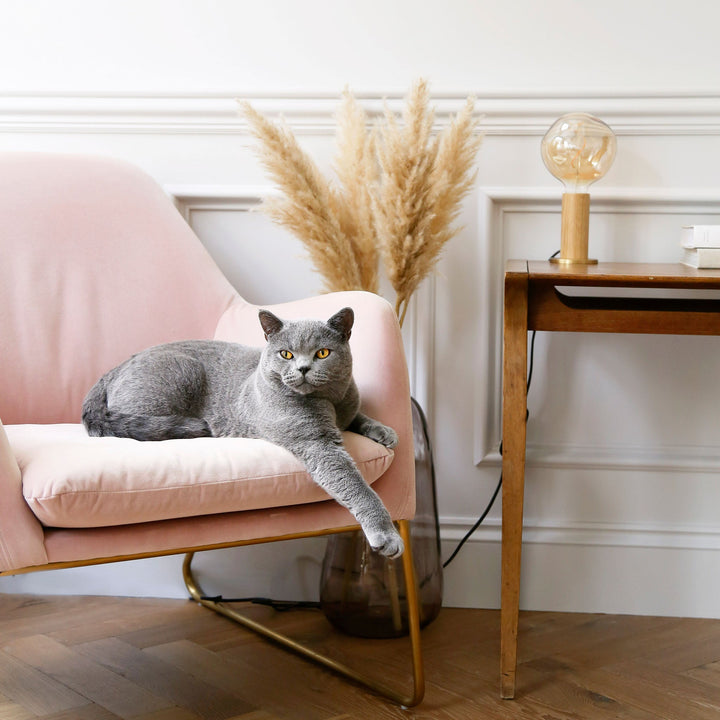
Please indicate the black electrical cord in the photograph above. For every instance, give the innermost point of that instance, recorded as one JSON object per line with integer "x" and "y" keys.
{"x": 279, "y": 605}
{"x": 469, "y": 533}
{"x": 479, "y": 521}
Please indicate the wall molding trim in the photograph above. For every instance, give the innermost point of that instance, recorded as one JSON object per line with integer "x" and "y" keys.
{"x": 515, "y": 113}
{"x": 679, "y": 458}
{"x": 636, "y": 535}
{"x": 237, "y": 198}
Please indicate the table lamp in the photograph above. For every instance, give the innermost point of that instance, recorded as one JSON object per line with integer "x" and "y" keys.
{"x": 578, "y": 149}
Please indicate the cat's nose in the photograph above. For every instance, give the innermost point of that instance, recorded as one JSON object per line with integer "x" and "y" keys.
{"x": 304, "y": 369}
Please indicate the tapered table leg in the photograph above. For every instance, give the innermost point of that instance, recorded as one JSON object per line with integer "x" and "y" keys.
{"x": 513, "y": 468}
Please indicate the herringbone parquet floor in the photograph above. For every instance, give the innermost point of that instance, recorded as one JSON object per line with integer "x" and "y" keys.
{"x": 107, "y": 658}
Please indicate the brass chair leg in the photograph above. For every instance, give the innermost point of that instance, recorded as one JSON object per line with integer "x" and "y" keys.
{"x": 418, "y": 689}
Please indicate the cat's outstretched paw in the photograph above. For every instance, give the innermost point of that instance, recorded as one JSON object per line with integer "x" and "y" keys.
{"x": 383, "y": 434}
{"x": 388, "y": 543}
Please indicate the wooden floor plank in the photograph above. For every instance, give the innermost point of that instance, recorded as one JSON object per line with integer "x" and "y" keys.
{"x": 87, "y": 712}
{"x": 647, "y": 695}
{"x": 164, "y": 680}
{"x": 698, "y": 696}
{"x": 195, "y": 620}
{"x": 126, "y": 621}
{"x": 12, "y": 711}
{"x": 708, "y": 673}
{"x": 35, "y": 618}
{"x": 170, "y": 714}
{"x": 694, "y": 643}
{"x": 34, "y": 690}
{"x": 249, "y": 677}
{"x": 97, "y": 683}
{"x": 597, "y": 640}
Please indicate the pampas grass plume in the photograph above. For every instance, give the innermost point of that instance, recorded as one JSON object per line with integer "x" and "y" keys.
{"x": 308, "y": 206}
{"x": 400, "y": 192}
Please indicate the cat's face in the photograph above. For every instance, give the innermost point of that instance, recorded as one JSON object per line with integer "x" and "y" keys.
{"x": 308, "y": 356}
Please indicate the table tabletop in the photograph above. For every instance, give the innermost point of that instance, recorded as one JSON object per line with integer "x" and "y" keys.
{"x": 612, "y": 274}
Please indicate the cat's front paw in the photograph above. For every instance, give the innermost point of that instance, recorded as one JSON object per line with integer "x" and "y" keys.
{"x": 387, "y": 543}
{"x": 383, "y": 434}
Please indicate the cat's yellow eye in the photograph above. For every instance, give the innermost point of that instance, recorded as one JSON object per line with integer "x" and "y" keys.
{"x": 322, "y": 353}
{"x": 286, "y": 354}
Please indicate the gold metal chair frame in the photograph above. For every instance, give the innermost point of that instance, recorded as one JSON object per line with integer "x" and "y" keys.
{"x": 418, "y": 677}
{"x": 418, "y": 688}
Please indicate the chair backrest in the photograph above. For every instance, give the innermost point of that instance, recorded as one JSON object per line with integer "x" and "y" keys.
{"x": 96, "y": 263}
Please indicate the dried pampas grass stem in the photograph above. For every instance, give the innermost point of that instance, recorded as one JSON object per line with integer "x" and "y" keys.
{"x": 400, "y": 192}
{"x": 357, "y": 172}
{"x": 423, "y": 183}
{"x": 308, "y": 206}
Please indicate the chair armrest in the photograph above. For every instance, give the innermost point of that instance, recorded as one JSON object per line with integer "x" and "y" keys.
{"x": 21, "y": 534}
{"x": 379, "y": 369}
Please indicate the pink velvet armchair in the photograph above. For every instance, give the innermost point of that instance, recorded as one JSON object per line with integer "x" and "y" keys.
{"x": 96, "y": 264}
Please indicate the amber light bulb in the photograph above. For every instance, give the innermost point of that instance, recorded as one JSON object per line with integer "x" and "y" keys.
{"x": 578, "y": 149}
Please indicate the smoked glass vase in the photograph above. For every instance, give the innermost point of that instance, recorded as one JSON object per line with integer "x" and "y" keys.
{"x": 363, "y": 593}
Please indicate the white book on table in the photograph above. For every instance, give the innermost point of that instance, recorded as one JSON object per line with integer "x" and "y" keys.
{"x": 700, "y": 236}
{"x": 702, "y": 257}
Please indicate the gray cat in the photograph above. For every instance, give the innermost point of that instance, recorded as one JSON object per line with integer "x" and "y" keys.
{"x": 297, "y": 392}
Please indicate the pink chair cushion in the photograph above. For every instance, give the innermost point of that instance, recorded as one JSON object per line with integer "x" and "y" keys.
{"x": 72, "y": 480}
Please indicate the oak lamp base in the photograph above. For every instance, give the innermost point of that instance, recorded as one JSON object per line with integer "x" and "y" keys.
{"x": 574, "y": 230}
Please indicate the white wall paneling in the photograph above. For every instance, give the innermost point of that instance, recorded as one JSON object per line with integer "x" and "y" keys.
{"x": 259, "y": 258}
{"x": 622, "y": 486}
{"x": 505, "y": 214}
{"x": 620, "y": 430}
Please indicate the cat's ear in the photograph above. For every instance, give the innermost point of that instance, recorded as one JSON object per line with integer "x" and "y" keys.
{"x": 271, "y": 324}
{"x": 342, "y": 322}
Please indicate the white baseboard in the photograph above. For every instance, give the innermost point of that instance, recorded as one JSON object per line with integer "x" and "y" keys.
{"x": 643, "y": 569}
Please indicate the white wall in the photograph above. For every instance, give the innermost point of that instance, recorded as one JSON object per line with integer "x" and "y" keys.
{"x": 623, "y": 499}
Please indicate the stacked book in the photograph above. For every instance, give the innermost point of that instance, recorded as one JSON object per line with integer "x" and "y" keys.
{"x": 701, "y": 246}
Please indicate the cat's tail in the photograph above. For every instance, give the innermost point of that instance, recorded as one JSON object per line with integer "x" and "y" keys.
{"x": 100, "y": 421}
{"x": 95, "y": 409}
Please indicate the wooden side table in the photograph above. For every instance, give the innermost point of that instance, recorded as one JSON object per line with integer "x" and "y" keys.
{"x": 535, "y": 300}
